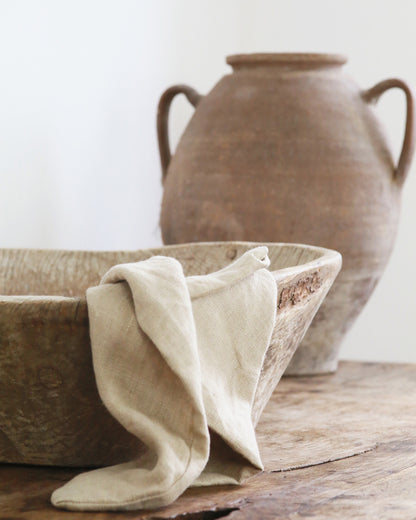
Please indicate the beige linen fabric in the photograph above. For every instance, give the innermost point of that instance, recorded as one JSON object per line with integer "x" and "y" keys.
{"x": 177, "y": 362}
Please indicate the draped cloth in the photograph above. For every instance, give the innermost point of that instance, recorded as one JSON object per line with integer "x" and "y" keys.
{"x": 177, "y": 360}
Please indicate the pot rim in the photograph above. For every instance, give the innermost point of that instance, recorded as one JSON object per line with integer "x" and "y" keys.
{"x": 313, "y": 59}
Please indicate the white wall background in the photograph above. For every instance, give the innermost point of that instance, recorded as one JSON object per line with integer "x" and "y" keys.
{"x": 79, "y": 86}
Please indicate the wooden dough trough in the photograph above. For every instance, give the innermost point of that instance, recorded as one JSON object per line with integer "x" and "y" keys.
{"x": 50, "y": 410}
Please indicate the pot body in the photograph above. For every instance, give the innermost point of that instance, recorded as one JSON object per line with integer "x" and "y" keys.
{"x": 287, "y": 148}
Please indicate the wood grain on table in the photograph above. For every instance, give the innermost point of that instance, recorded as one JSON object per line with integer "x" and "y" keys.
{"x": 336, "y": 446}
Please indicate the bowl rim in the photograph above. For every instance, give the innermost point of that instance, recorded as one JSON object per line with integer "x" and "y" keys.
{"x": 327, "y": 257}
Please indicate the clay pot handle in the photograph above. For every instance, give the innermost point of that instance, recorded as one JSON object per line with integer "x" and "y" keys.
{"x": 162, "y": 120}
{"x": 408, "y": 147}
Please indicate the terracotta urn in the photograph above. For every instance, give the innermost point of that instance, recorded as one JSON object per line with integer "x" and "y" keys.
{"x": 288, "y": 148}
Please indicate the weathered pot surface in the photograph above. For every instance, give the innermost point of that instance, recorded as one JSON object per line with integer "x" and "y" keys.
{"x": 287, "y": 148}
{"x": 50, "y": 410}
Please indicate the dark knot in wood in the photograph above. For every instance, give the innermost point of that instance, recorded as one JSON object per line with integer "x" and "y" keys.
{"x": 302, "y": 289}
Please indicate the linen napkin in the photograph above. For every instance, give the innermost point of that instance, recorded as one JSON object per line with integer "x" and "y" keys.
{"x": 177, "y": 361}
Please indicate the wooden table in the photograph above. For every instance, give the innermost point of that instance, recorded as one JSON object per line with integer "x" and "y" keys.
{"x": 337, "y": 446}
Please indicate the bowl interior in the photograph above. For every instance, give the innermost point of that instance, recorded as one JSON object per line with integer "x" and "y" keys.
{"x": 70, "y": 273}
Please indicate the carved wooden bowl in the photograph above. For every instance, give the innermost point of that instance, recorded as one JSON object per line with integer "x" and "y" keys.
{"x": 50, "y": 410}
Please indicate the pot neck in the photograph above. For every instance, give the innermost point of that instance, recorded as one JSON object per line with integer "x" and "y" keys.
{"x": 285, "y": 61}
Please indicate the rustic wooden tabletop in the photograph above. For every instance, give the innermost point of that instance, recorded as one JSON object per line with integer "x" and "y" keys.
{"x": 337, "y": 446}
